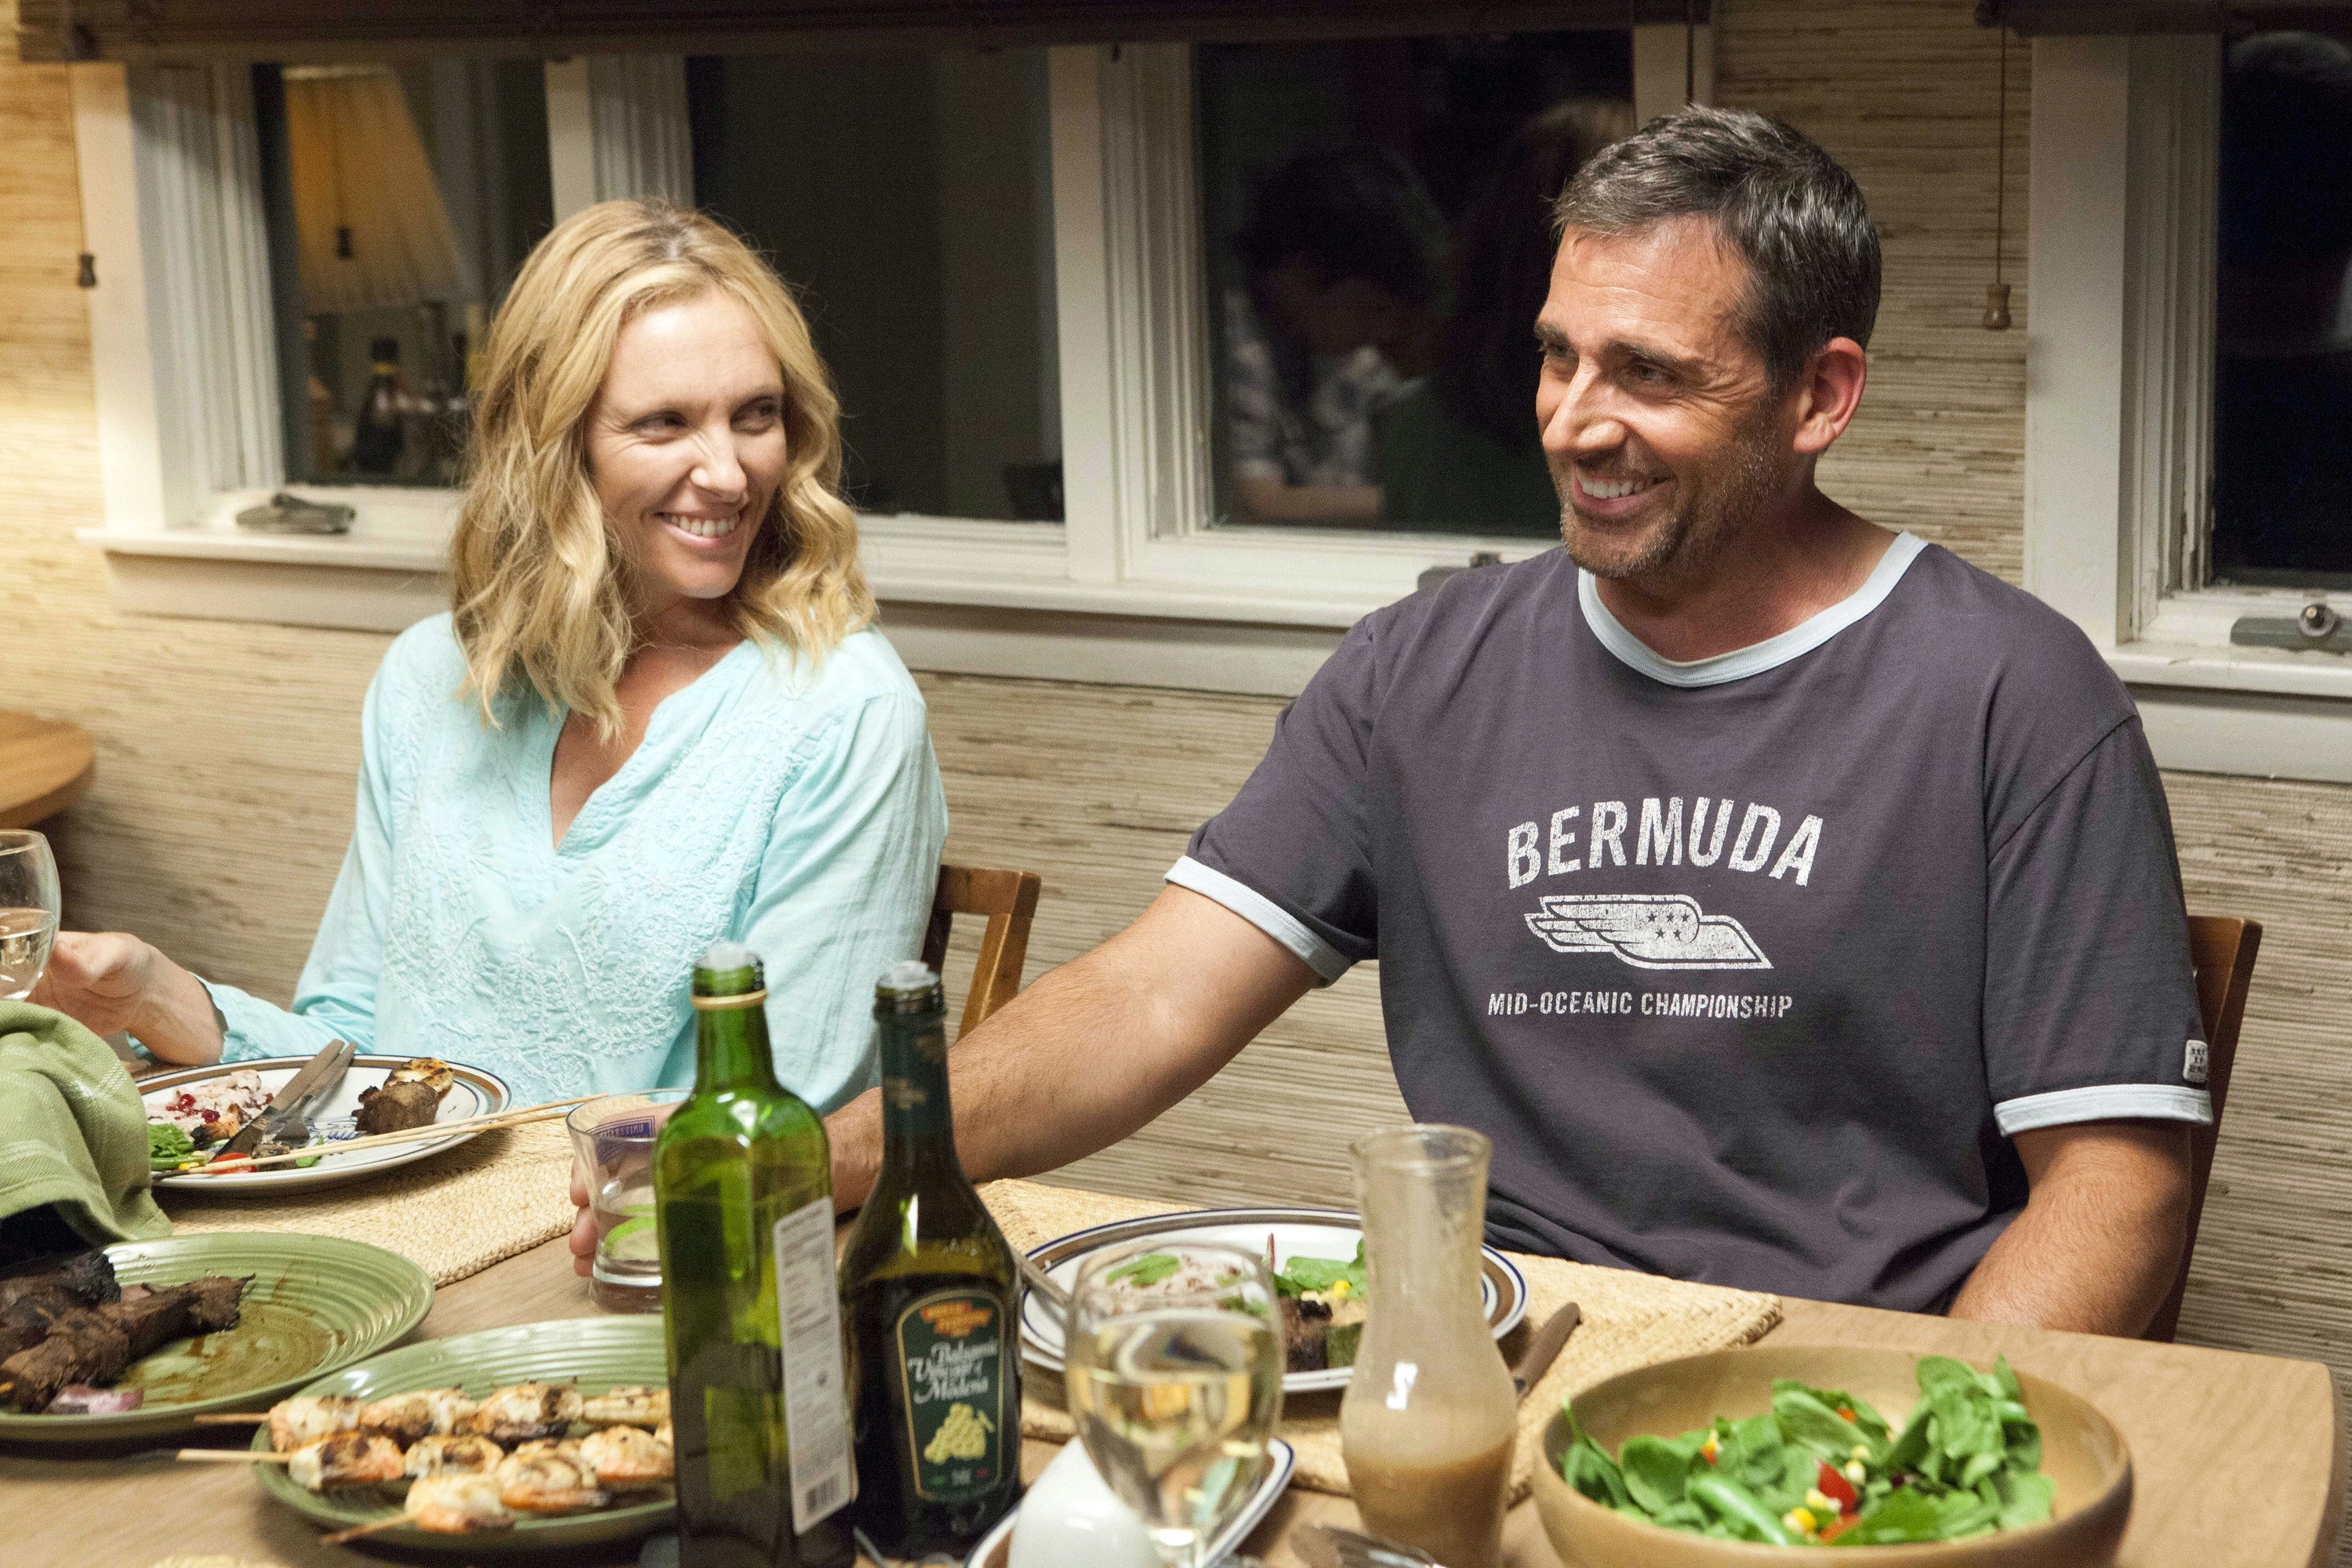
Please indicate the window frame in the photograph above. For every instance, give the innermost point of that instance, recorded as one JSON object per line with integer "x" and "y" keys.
{"x": 1141, "y": 540}
{"x": 2118, "y": 449}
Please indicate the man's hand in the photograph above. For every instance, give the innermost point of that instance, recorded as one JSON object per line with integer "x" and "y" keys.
{"x": 110, "y": 982}
{"x": 1098, "y": 1048}
{"x": 583, "y": 1226}
{"x": 2099, "y": 1243}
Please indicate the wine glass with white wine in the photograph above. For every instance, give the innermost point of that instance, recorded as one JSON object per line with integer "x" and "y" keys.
{"x": 1175, "y": 1376}
{"x": 28, "y": 910}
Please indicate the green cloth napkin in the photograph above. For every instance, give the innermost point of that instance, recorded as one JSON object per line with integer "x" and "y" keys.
{"x": 73, "y": 1132}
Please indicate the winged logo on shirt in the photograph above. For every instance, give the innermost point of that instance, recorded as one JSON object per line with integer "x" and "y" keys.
{"x": 1648, "y": 930}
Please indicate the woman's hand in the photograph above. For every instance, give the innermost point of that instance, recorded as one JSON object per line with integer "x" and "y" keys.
{"x": 583, "y": 1228}
{"x": 110, "y": 982}
{"x": 96, "y": 978}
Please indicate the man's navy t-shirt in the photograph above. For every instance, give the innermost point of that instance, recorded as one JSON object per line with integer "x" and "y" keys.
{"x": 1750, "y": 966}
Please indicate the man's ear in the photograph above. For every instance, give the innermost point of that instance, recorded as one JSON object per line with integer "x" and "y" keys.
{"x": 1828, "y": 394}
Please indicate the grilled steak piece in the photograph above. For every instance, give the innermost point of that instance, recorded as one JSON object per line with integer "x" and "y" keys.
{"x": 87, "y": 1276}
{"x": 396, "y": 1107}
{"x": 1305, "y": 1325}
{"x": 82, "y": 1347}
{"x": 153, "y": 1320}
{"x": 214, "y": 1306}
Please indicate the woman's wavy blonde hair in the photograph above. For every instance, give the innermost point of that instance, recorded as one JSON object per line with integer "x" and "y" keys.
{"x": 538, "y": 574}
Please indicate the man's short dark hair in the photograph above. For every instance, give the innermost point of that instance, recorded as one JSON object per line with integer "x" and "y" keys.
{"x": 1356, "y": 212}
{"x": 1781, "y": 203}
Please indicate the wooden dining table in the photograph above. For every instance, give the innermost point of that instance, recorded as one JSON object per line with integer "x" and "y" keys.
{"x": 2238, "y": 1459}
{"x": 45, "y": 766}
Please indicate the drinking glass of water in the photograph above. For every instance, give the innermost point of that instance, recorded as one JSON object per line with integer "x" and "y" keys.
{"x": 614, "y": 1137}
{"x": 28, "y": 910}
{"x": 1174, "y": 1377}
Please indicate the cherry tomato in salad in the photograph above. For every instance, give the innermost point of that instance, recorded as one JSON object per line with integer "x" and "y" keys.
{"x": 1838, "y": 1490}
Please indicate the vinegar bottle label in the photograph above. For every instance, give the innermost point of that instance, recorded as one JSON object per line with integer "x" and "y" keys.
{"x": 816, "y": 1410}
{"x": 949, "y": 1354}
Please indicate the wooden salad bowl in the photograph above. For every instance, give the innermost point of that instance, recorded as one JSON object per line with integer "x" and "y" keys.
{"x": 2081, "y": 1450}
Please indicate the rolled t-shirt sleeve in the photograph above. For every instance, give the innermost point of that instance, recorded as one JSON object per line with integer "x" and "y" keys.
{"x": 2090, "y": 1010}
{"x": 1292, "y": 854}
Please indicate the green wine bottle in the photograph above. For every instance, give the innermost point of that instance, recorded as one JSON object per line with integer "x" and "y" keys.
{"x": 931, "y": 1291}
{"x": 759, "y": 1397}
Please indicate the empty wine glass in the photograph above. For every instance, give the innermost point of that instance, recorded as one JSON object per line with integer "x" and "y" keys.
{"x": 1174, "y": 1374}
{"x": 28, "y": 910}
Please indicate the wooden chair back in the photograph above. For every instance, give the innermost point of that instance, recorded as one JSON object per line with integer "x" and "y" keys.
{"x": 1009, "y": 899}
{"x": 2221, "y": 950}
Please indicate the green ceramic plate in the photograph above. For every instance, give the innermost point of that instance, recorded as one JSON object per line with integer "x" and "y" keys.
{"x": 602, "y": 1353}
{"x": 315, "y": 1303}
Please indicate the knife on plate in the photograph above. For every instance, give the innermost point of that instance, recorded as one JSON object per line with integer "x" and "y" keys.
{"x": 315, "y": 1080}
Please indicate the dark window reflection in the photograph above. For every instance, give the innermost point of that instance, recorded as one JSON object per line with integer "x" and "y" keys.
{"x": 2283, "y": 378}
{"x": 1379, "y": 245}
{"x": 907, "y": 197}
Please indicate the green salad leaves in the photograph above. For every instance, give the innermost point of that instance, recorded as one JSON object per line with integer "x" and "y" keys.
{"x": 1297, "y": 1277}
{"x": 1825, "y": 1469}
{"x": 168, "y": 1148}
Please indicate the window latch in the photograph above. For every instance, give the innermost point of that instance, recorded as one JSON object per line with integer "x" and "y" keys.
{"x": 2316, "y": 626}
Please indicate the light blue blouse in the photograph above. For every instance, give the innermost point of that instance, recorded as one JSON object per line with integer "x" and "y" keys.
{"x": 799, "y": 814}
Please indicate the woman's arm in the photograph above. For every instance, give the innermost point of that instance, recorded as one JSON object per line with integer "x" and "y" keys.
{"x": 111, "y": 981}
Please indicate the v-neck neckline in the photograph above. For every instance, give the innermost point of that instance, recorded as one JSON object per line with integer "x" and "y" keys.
{"x": 655, "y": 724}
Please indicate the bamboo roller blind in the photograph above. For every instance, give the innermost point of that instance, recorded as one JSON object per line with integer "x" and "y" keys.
{"x": 392, "y": 29}
{"x": 2032, "y": 18}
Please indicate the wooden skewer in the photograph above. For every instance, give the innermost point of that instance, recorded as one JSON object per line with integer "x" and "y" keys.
{"x": 432, "y": 1131}
{"x": 233, "y": 1419}
{"x": 231, "y": 1457}
{"x": 370, "y": 1528}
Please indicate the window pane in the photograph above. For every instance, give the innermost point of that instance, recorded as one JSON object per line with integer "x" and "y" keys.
{"x": 1379, "y": 247}
{"x": 401, "y": 201}
{"x": 2282, "y": 381}
{"x": 907, "y": 197}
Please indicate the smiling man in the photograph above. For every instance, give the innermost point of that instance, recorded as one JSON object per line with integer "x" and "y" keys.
{"x": 1793, "y": 904}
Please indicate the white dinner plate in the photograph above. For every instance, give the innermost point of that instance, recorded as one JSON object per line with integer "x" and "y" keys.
{"x": 995, "y": 1546}
{"x": 1296, "y": 1231}
{"x": 475, "y": 1092}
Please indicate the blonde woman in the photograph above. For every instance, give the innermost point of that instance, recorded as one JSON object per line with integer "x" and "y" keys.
{"x": 659, "y": 716}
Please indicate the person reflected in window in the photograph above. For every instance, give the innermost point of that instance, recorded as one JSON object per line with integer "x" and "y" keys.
{"x": 1345, "y": 260}
{"x": 1459, "y": 449}
{"x": 2283, "y": 377}
{"x": 659, "y": 716}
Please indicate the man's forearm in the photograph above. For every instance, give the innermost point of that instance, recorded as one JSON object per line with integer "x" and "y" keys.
{"x": 2099, "y": 1243}
{"x": 1095, "y": 1049}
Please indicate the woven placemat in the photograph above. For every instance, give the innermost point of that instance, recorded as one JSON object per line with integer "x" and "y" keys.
{"x": 1628, "y": 1320}
{"x": 455, "y": 1214}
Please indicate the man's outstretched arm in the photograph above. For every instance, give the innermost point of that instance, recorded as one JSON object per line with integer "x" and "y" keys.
{"x": 1098, "y": 1047}
{"x": 2100, "y": 1241}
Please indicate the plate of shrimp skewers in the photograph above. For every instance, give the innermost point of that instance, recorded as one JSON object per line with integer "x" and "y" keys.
{"x": 517, "y": 1439}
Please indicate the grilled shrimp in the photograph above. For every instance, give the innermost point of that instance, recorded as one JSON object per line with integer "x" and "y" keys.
{"x": 344, "y": 1459}
{"x": 626, "y": 1458}
{"x": 306, "y": 1418}
{"x": 632, "y": 1406}
{"x": 525, "y": 1413}
{"x": 457, "y": 1504}
{"x": 550, "y": 1478}
{"x": 407, "y": 1417}
{"x": 445, "y": 1454}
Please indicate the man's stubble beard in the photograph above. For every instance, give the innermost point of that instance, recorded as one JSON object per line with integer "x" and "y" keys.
{"x": 1697, "y": 532}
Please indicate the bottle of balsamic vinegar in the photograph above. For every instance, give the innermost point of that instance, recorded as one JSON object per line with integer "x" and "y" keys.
{"x": 931, "y": 1291}
{"x": 758, "y": 1374}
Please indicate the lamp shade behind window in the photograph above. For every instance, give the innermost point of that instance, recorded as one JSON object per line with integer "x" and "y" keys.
{"x": 372, "y": 230}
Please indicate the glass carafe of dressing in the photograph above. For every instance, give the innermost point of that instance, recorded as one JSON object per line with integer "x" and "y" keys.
{"x": 1429, "y": 1421}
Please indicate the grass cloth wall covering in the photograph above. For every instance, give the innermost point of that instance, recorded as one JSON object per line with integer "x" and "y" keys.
{"x": 228, "y": 752}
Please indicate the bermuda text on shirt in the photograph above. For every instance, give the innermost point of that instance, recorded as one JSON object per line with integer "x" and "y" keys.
{"x": 1659, "y": 840}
